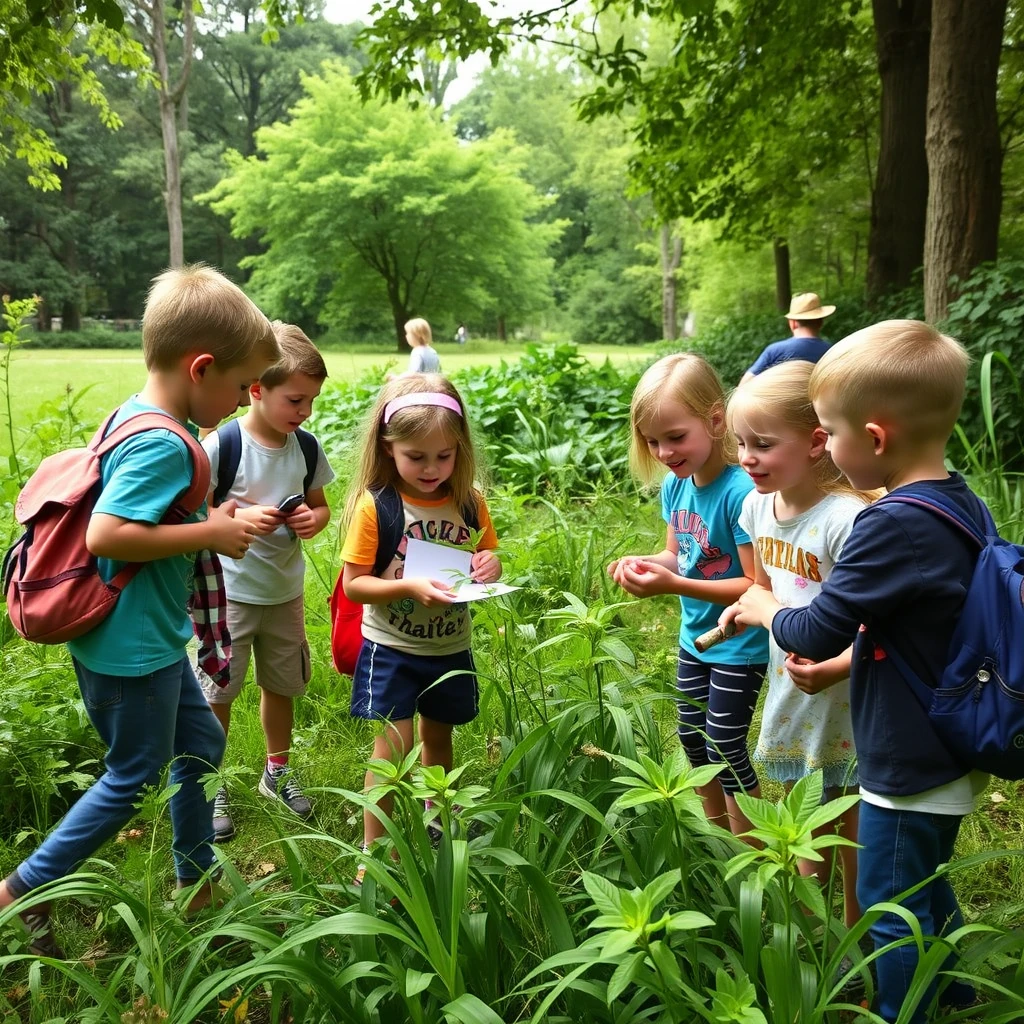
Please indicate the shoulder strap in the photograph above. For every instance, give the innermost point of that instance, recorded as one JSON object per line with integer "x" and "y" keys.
{"x": 229, "y": 454}
{"x": 311, "y": 453}
{"x": 390, "y": 526}
{"x": 945, "y": 509}
{"x": 471, "y": 512}
{"x": 195, "y": 494}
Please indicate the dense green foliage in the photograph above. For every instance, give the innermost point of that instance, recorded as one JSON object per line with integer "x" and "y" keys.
{"x": 579, "y": 880}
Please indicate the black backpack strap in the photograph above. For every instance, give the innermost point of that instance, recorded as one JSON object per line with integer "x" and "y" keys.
{"x": 229, "y": 439}
{"x": 311, "y": 453}
{"x": 390, "y": 526}
{"x": 471, "y": 512}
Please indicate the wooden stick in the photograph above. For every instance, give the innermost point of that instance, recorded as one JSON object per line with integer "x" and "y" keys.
{"x": 714, "y": 636}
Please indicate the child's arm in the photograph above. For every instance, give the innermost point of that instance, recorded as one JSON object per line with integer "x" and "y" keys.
{"x": 648, "y": 577}
{"x": 311, "y": 516}
{"x": 131, "y": 540}
{"x": 362, "y": 587}
{"x": 666, "y": 557}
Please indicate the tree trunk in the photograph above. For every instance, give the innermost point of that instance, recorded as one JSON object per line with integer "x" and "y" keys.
{"x": 172, "y": 179}
{"x": 399, "y": 314}
{"x": 502, "y": 334}
{"x": 671, "y": 257}
{"x": 151, "y": 21}
{"x": 964, "y": 153}
{"x": 900, "y": 197}
{"x": 783, "y": 281}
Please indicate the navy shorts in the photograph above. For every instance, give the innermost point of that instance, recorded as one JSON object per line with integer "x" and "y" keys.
{"x": 392, "y": 685}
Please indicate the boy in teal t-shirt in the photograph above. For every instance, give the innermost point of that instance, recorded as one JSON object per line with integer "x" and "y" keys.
{"x": 204, "y": 342}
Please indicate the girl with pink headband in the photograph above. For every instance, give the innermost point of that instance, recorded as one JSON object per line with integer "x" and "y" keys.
{"x": 417, "y": 462}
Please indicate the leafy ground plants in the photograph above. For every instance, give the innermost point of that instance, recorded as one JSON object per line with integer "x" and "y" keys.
{"x": 576, "y": 877}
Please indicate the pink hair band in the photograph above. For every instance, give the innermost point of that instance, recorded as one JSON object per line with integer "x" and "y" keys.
{"x": 421, "y": 398}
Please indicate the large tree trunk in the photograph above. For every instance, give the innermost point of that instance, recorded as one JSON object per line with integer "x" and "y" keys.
{"x": 900, "y": 197}
{"x": 671, "y": 257}
{"x": 964, "y": 154}
{"x": 783, "y": 280}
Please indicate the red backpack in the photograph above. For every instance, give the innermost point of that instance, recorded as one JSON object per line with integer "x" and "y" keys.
{"x": 52, "y": 583}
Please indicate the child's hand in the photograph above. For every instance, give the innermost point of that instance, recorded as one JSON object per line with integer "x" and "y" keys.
{"x": 486, "y": 567}
{"x": 642, "y": 577}
{"x": 755, "y": 607}
{"x": 814, "y": 676}
{"x": 265, "y": 518}
{"x": 615, "y": 568}
{"x": 430, "y": 592}
{"x": 731, "y": 617}
{"x": 303, "y": 522}
{"x": 228, "y": 534}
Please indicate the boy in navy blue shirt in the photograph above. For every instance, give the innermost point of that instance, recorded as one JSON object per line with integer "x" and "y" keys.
{"x": 888, "y": 397}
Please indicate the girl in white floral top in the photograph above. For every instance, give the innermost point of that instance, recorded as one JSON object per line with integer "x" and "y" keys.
{"x": 799, "y": 516}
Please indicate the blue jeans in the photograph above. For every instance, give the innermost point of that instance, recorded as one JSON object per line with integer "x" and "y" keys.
{"x": 900, "y": 849}
{"x": 146, "y": 721}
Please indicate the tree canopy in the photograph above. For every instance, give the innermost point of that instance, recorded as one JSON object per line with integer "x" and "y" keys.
{"x": 363, "y": 207}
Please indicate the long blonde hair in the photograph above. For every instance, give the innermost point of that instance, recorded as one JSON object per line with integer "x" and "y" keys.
{"x": 377, "y": 467}
{"x": 688, "y": 380}
{"x": 781, "y": 393}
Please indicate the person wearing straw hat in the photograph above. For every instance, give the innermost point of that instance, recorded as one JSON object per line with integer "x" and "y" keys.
{"x": 804, "y": 315}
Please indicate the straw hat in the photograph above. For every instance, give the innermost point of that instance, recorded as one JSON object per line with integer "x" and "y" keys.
{"x": 807, "y": 306}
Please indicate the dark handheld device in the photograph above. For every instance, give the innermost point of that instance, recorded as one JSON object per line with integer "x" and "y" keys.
{"x": 291, "y": 503}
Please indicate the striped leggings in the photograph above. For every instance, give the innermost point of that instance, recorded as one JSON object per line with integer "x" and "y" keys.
{"x": 715, "y": 707}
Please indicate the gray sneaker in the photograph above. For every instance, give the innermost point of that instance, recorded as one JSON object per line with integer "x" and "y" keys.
{"x": 278, "y": 784}
{"x": 223, "y": 826}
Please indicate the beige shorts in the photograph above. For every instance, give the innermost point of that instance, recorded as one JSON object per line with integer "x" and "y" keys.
{"x": 276, "y": 634}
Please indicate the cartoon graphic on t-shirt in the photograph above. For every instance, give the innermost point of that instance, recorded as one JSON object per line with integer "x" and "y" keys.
{"x": 694, "y": 550}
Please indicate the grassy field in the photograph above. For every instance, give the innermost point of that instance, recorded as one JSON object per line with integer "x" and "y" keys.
{"x": 41, "y": 375}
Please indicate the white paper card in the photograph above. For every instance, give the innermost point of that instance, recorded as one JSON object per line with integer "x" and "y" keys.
{"x": 424, "y": 560}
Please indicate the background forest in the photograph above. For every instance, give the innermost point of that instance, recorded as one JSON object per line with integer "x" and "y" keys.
{"x": 607, "y": 176}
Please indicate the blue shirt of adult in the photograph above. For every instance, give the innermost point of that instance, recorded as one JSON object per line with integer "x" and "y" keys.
{"x": 706, "y": 524}
{"x": 808, "y": 349}
{"x": 149, "y": 626}
{"x": 901, "y": 580}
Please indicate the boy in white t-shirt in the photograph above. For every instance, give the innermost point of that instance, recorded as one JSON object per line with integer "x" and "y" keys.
{"x": 259, "y": 461}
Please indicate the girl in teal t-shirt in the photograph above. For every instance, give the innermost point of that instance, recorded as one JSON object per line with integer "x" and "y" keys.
{"x": 678, "y": 421}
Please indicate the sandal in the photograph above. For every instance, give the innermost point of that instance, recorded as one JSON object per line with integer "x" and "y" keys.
{"x": 41, "y": 941}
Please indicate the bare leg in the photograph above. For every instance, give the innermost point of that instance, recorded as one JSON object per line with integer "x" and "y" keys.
{"x": 436, "y": 738}
{"x": 391, "y": 745}
{"x": 738, "y": 821}
{"x": 222, "y": 712}
{"x": 277, "y": 714}
{"x": 714, "y": 803}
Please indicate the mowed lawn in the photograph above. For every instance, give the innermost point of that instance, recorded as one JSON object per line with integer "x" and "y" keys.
{"x": 111, "y": 375}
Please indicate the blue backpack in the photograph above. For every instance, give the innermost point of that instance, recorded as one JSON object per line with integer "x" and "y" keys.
{"x": 977, "y": 710}
{"x": 230, "y": 440}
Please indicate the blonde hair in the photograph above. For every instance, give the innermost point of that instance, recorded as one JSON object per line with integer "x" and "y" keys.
{"x": 418, "y": 330}
{"x": 196, "y": 309}
{"x": 901, "y": 370}
{"x": 781, "y": 393}
{"x": 687, "y": 380}
{"x": 377, "y": 467}
{"x": 298, "y": 355}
